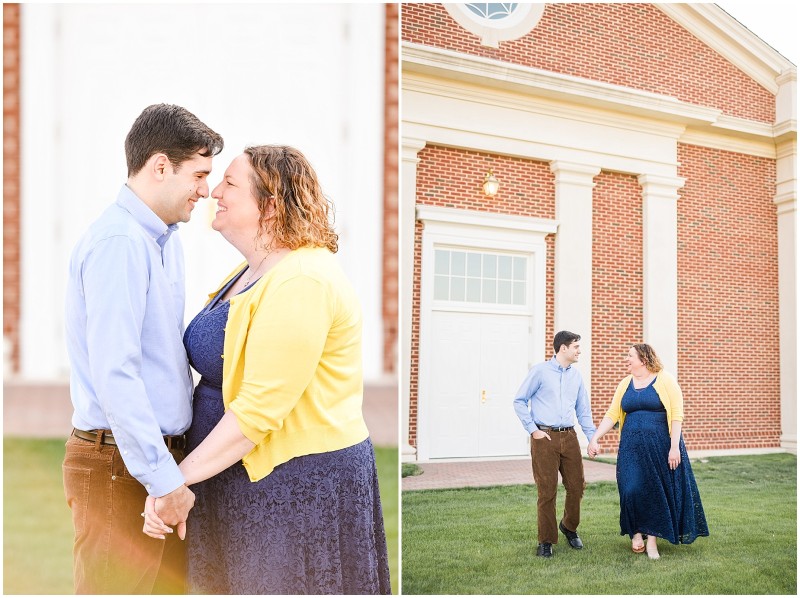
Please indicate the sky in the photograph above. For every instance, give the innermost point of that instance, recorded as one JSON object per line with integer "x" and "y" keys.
{"x": 773, "y": 22}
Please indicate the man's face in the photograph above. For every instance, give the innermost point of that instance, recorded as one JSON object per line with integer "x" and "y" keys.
{"x": 572, "y": 352}
{"x": 182, "y": 188}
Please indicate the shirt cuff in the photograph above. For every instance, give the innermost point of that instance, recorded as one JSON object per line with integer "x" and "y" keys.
{"x": 163, "y": 480}
{"x": 532, "y": 428}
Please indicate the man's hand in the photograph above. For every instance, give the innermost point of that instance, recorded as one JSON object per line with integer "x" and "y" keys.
{"x": 172, "y": 509}
{"x": 539, "y": 434}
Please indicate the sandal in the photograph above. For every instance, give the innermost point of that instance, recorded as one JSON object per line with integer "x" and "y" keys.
{"x": 636, "y": 548}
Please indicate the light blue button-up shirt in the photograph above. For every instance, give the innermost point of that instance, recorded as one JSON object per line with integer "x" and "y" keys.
{"x": 124, "y": 323}
{"x": 552, "y": 396}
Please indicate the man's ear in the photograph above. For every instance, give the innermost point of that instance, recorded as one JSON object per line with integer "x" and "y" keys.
{"x": 158, "y": 164}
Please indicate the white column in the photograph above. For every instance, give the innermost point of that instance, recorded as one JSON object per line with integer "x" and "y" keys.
{"x": 44, "y": 256}
{"x": 573, "y": 258}
{"x": 407, "y": 222}
{"x": 660, "y": 265}
{"x": 786, "y": 202}
{"x": 573, "y": 261}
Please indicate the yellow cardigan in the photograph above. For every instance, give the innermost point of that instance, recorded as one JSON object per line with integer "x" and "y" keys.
{"x": 292, "y": 369}
{"x": 668, "y": 391}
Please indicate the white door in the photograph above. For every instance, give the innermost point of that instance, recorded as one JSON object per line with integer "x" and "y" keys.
{"x": 477, "y": 363}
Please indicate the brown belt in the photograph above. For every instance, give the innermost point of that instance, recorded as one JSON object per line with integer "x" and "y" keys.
{"x": 106, "y": 437}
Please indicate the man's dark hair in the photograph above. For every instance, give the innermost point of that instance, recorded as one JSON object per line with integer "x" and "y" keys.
{"x": 564, "y": 338}
{"x": 171, "y": 130}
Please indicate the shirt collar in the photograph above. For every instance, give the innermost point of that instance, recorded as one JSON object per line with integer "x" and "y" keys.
{"x": 144, "y": 216}
{"x": 558, "y": 366}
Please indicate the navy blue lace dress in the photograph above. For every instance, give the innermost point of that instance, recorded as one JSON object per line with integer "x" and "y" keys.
{"x": 653, "y": 499}
{"x": 312, "y": 526}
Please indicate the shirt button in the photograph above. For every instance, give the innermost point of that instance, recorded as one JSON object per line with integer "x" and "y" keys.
{"x": 113, "y": 477}
{"x": 124, "y": 452}
{"x": 148, "y": 486}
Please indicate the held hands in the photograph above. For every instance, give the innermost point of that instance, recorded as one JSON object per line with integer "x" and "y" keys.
{"x": 172, "y": 509}
{"x": 540, "y": 434}
{"x": 593, "y": 449}
{"x": 674, "y": 458}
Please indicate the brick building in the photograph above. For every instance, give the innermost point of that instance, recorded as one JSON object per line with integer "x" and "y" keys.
{"x": 645, "y": 155}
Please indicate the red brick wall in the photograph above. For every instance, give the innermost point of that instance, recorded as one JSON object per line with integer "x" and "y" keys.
{"x": 390, "y": 190}
{"x": 11, "y": 179}
{"x": 728, "y": 300}
{"x": 617, "y": 283}
{"x": 453, "y": 178}
{"x": 633, "y": 45}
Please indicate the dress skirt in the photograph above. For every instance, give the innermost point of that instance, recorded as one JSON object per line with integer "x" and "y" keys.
{"x": 654, "y": 499}
{"x": 312, "y": 526}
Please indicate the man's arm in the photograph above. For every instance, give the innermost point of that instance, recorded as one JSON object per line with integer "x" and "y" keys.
{"x": 584, "y": 412}
{"x": 523, "y": 397}
{"x": 115, "y": 283}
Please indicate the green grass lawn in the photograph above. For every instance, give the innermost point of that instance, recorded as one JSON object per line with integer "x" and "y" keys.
{"x": 483, "y": 541}
{"x": 37, "y": 528}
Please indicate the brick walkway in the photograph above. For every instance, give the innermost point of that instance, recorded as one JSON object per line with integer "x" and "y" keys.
{"x": 473, "y": 474}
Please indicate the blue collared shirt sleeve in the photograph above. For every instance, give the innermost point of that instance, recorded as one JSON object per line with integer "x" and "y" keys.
{"x": 522, "y": 400}
{"x": 583, "y": 411}
{"x": 115, "y": 311}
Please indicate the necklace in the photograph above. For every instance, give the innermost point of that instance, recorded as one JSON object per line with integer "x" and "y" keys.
{"x": 253, "y": 272}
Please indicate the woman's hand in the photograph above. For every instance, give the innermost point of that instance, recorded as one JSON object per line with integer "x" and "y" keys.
{"x": 674, "y": 457}
{"x": 153, "y": 526}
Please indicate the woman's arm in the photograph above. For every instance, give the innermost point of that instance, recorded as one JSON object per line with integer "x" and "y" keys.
{"x": 223, "y": 447}
{"x": 675, "y": 440}
{"x": 594, "y": 448}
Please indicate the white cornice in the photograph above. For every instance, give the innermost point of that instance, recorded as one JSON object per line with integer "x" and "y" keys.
{"x": 528, "y": 224}
{"x": 732, "y": 40}
{"x": 487, "y": 72}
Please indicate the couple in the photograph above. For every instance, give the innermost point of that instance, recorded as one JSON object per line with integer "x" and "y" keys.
{"x": 279, "y": 468}
{"x": 657, "y": 490}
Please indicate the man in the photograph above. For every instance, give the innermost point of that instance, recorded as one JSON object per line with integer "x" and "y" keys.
{"x": 546, "y": 404}
{"x": 130, "y": 381}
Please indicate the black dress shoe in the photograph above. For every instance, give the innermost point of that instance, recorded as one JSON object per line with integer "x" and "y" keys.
{"x": 545, "y": 549}
{"x": 572, "y": 537}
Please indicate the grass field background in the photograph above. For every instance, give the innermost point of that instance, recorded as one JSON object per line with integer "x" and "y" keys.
{"x": 37, "y": 526}
{"x": 483, "y": 541}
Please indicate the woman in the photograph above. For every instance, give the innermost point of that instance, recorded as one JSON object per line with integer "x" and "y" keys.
{"x": 658, "y": 495}
{"x": 281, "y": 461}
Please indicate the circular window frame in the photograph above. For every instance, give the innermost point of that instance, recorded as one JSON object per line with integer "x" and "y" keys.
{"x": 493, "y": 31}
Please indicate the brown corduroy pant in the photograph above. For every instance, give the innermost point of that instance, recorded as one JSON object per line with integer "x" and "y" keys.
{"x": 560, "y": 454}
{"x": 112, "y": 555}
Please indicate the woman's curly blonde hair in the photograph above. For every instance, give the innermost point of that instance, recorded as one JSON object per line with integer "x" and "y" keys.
{"x": 648, "y": 357}
{"x": 303, "y": 215}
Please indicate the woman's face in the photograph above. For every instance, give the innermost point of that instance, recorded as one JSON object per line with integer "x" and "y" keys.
{"x": 633, "y": 360}
{"x": 237, "y": 209}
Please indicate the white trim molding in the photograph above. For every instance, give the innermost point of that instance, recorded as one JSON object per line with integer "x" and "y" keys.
{"x": 408, "y": 199}
{"x": 518, "y": 23}
{"x": 483, "y": 231}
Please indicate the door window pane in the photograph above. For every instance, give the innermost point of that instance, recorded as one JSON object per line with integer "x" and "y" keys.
{"x": 457, "y": 288}
{"x": 441, "y": 288}
{"x": 442, "y": 265}
{"x": 458, "y": 263}
{"x": 474, "y": 290}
